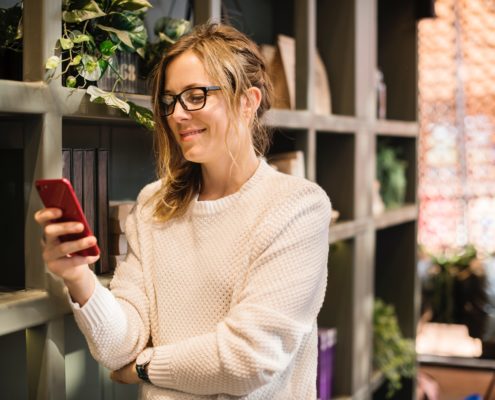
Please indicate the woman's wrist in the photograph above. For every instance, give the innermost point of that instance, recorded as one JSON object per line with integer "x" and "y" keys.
{"x": 81, "y": 287}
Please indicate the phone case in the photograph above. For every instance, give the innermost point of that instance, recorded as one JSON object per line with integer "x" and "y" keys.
{"x": 58, "y": 193}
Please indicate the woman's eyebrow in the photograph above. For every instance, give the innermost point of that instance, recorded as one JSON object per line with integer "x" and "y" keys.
{"x": 191, "y": 85}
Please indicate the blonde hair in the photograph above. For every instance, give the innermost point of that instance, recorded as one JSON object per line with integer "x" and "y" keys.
{"x": 235, "y": 64}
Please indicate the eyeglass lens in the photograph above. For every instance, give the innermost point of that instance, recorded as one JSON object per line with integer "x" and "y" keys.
{"x": 191, "y": 99}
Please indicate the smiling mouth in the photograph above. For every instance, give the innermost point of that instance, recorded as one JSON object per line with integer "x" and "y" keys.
{"x": 186, "y": 134}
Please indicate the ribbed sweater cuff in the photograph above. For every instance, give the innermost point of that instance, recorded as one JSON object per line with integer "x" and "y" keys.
{"x": 96, "y": 310}
{"x": 160, "y": 367}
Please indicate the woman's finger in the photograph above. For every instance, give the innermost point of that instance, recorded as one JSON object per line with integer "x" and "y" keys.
{"x": 47, "y": 214}
{"x": 52, "y": 232}
{"x": 63, "y": 249}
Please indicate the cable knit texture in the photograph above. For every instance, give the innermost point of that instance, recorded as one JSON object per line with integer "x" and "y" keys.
{"x": 227, "y": 294}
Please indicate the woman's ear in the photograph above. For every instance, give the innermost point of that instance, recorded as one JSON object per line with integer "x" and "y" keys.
{"x": 250, "y": 102}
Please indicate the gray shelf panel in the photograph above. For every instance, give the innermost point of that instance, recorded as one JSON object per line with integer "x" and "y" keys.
{"x": 25, "y": 97}
{"x": 335, "y": 123}
{"x": 346, "y": 230}
{"x": 396, "y": 128}
{"x": 398, "y": 216}
{"x": 278, "y": 118}
{"x": 27, "y": 308}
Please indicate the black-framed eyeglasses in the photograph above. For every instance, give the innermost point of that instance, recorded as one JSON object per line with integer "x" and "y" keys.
{"x": 191, "y": 99}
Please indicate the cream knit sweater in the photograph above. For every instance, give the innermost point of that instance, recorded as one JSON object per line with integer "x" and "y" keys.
{"x": 227, "y": 295}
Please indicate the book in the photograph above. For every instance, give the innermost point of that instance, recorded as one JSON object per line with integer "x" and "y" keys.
{"x": 67, "y": 164}
{"x": 102, "y": 209}
{"x": 120, "y": 209}
{"x": 115, "y": 260}
{"x": 327, "y": 338}
{"x": 77, "y": 174}
{"x": 291, "y": 163}
{"x": 117, "y": 244}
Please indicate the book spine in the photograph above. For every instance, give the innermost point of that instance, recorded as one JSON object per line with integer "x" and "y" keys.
{"x": 89, "y": 192}
{"x": 77, "y": 174}
{"x": 67, "y": 164}
{"x": 102, "y": 207}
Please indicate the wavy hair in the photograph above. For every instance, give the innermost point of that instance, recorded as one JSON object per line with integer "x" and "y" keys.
{"x": 233, "y": 62}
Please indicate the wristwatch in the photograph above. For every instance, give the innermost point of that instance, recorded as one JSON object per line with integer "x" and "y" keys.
{"x": 142, "y": 362}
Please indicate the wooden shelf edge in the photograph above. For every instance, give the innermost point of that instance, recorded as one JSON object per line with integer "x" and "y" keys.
{"x": 389, "y": 218}
{"x": 345, "y": 230}
{"x": 24, "y": 97}
{"x": 396, "y": 128}
{"x": 27, "y": 308}
{"x": 335, "y": 123}
{"x": 292, "y": 119}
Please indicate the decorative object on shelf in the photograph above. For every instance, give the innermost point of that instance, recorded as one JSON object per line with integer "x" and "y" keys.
{"x": 281, "y": 66}
{"x": 291, "y": 163}
{"x": 381, "y": 95}
{"x": 11, "y": 42}
{"x": 327, "y": 339}
{"x": 117, "y": 215}
{"x": 377, "y": 202}
{"x": 393, "y": 354}
{"x": 391, "y": 173}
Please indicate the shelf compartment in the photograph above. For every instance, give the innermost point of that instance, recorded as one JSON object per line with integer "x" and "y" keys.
{"x": 333, "y": 151}
{"x": 25, "y": 97}
{"x": 335, "y": 41}
{"x": 397, "y": 57}
{"x": 392, "y": 217}
{"x": 395, "y": 278}
{"x": 396, "y": 128}
{"x": 14, "y": 369}
{"x": 24, "y": 309}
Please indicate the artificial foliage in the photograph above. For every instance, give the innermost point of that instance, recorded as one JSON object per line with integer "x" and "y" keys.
{"x": 92, "y": 32}
{"x": 393, "y": 354}
{"x": 391, "y": 173}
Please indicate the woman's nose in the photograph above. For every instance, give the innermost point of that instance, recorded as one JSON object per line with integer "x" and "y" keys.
{"x": 180, "y": 113}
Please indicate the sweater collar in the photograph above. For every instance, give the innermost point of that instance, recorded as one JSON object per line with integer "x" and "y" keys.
{"x": 207, "y": 207}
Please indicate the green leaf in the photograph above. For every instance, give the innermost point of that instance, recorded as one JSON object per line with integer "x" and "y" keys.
{"x": 71, "y": 81}
{"x": 53, "y": 62}
{"x": 122, "y": 35}
{"x": 81, "y": 38}
{"x": 10, "y": 25}
{"x": 76, "y": 60}
{"x": 90, "y": 11}
{"x": 142, "y": 115}
{"x": 107, "y": 48}
{"x": 130, "y": 5}
{"x": 66, "y": 43}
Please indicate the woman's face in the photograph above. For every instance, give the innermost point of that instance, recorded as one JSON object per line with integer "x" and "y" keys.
{"x": 201, "y": 134}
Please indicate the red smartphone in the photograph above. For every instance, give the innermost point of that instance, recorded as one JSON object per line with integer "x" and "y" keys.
{"x": 58, "y": 193}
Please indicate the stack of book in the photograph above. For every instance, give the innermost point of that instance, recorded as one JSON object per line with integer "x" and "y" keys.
{"x": 291, "y": 162}
{"x": 117, "y": 243}
{"x": 327, "y": 339}
{"x": 87, "y": 169}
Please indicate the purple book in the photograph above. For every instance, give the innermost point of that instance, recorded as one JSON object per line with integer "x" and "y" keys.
{"x": 327, "y": 339}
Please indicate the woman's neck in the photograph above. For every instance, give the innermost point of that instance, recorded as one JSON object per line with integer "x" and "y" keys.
{"x": 225, "y": 178}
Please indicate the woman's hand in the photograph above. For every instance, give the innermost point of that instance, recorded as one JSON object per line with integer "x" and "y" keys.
{"x": 73, "y": 269}
{"x": 126, "y": 375}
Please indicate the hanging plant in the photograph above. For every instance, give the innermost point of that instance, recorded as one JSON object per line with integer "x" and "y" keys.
{"x": 93, "y": 32}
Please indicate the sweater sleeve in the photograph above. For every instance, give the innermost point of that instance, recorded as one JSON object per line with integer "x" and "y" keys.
{"x": 276, "y": 307}
{"x": 116, "y": 324}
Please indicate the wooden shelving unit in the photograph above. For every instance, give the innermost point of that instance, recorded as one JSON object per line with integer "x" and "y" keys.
{"x": 372, "y": 256}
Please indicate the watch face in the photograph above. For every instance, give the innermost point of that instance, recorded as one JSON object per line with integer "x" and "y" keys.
{"x": 145, "y": 356}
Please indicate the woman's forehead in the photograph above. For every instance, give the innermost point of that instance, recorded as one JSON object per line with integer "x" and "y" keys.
{"x": 185, "y": 71}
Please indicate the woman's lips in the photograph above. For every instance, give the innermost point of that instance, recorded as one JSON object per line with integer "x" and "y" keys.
{"x": 190, "y": 133}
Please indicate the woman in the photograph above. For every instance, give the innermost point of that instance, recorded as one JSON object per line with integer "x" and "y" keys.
{"x": 227, "y": 262}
